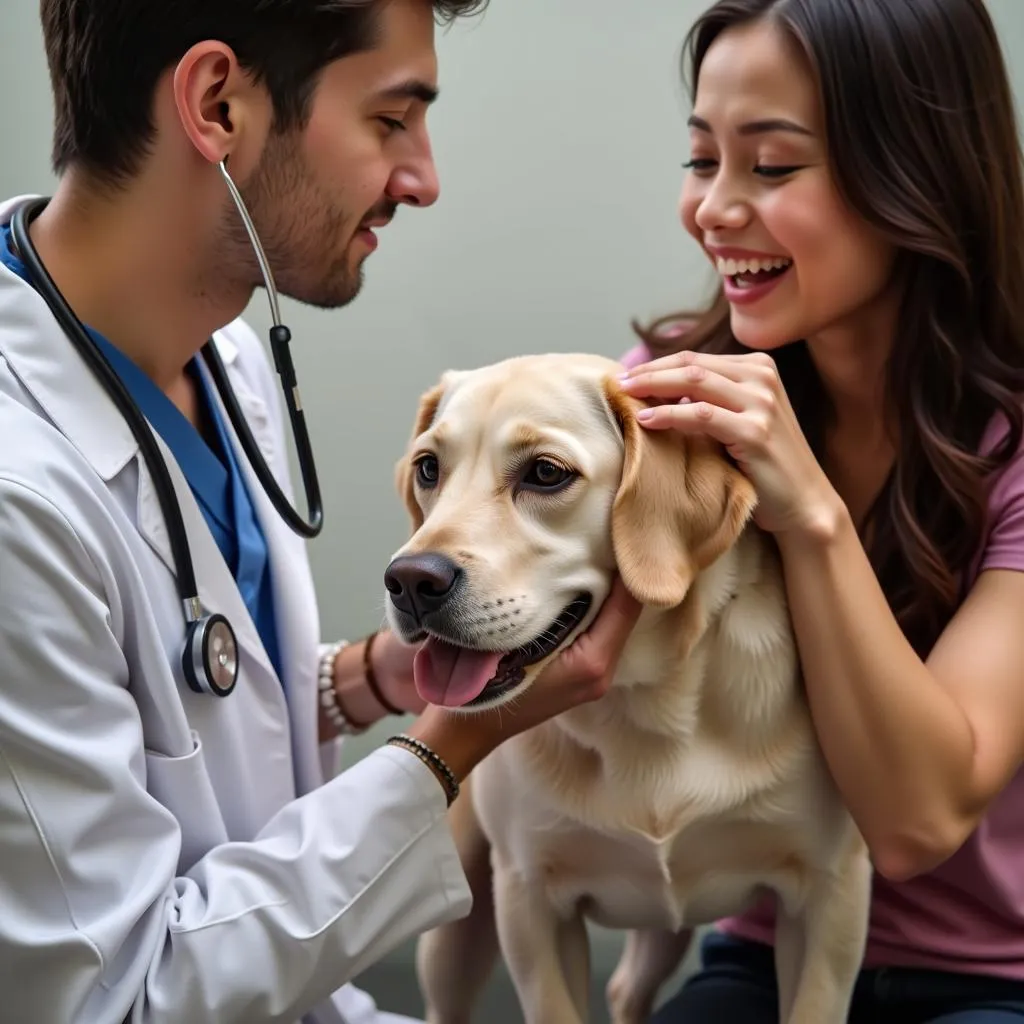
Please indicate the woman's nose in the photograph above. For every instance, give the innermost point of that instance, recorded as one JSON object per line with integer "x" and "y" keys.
{"x": 722, "y": 206}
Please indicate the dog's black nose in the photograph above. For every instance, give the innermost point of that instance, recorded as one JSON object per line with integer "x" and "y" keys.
{"x": 420, "y": 584}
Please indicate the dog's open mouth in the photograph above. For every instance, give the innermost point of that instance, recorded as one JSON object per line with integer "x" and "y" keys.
{"x": 454, "y": 676}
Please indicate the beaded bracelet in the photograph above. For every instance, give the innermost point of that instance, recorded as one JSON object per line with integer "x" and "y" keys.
{"x": 445, "y": 775}
{"x": 345, "y": 725}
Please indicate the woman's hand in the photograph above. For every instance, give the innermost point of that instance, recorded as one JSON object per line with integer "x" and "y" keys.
{"x": 739, "y": 401}
{"x": 580, "y": 674}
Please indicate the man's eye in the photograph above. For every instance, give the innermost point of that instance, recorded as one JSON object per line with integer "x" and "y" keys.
{"x": 392, "y": 124}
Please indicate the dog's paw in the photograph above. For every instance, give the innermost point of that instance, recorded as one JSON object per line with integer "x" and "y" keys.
{"x": 625, "y": 1004}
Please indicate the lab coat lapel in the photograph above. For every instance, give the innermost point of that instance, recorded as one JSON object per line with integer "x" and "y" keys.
{"x": 294, "y": 596}
{"x": 218, "y": 591}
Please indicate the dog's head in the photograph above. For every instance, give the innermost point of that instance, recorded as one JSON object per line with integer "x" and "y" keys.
{"x": 530, "y": 482}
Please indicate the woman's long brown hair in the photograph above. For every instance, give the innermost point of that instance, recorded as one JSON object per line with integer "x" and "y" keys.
{"x": 923, "y": 145}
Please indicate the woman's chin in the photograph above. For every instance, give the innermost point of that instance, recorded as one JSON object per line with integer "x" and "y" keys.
{"x": 761, "y": 334}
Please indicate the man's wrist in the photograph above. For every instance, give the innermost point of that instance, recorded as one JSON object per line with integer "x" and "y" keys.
{"x": 455, "y": 738}
{"x": 350, "y": 686}
{"x": 373, "y": 676}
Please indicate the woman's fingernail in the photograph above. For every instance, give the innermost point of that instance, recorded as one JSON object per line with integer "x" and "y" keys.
{"x": 645, "y": 414}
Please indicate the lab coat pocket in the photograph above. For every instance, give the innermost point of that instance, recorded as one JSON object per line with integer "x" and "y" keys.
{"x": 183, "y": 786}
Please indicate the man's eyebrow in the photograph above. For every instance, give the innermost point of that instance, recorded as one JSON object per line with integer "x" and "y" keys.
{"x": 772, "y": 124}
{"x": 411, "y": 89}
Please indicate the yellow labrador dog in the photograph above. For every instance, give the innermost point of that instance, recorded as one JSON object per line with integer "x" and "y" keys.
{"x": 696, "y": 784}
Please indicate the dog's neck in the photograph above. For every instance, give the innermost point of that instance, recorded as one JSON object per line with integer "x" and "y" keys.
{"x": 682, "y": 673}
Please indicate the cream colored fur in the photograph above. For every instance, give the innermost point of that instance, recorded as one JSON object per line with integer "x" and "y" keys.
{"x": 696, "y": 784}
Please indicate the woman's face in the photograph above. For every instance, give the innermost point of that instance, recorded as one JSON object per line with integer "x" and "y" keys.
{"x": 760, "y": 199}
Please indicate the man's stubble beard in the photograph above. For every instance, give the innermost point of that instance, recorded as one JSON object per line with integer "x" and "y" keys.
{"x": 299, "y": 228}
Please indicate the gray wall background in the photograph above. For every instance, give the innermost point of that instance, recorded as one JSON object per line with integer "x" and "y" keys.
{"x": 559, "y": 138}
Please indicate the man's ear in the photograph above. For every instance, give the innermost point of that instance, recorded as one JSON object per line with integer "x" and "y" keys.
{"x": 224, "y": 114}
{"x": 404, "y": 475}
{"x": 680, "y": 505}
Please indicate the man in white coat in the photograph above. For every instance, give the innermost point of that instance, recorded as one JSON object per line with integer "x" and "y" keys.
{"x": 169, "y": 856}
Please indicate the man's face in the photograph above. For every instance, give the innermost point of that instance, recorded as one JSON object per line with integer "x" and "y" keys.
{"x": 319, "y": 194}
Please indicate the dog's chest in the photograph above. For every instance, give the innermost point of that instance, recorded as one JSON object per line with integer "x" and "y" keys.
{"x": 699, "y": 846}
{"x": 627, "y": 880}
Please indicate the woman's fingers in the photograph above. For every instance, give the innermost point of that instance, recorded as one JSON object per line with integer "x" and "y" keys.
{"x": 723, "y": 425}
{"x": 747, "y": 366}
{"x": 696, "y": 383}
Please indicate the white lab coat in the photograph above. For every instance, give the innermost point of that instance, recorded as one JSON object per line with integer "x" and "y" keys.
{"x": 165, "y": 856}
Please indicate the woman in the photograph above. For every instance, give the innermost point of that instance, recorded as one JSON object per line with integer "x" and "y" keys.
{"x": 856, "y": 181}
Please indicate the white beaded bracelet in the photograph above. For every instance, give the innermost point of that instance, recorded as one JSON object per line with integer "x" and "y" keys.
{"x": 329, "y": 695}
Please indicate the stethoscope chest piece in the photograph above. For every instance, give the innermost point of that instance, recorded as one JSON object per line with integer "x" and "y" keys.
{"x": 210, "y": 658}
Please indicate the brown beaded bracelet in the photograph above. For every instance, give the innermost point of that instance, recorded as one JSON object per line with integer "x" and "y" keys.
{"x": 371, "y": 677}
{"x": 445, "y": 775}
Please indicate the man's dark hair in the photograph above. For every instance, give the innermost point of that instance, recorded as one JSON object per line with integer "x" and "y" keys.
{"x": 106, "y": 56}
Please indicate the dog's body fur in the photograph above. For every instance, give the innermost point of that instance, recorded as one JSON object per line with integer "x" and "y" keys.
{"x": 696, "y": 784}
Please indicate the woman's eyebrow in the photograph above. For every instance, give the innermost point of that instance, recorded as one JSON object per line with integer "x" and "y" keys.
{"x": 761, "y": 127}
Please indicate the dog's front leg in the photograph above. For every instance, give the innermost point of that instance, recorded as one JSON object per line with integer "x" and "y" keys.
{"x": 648, "y": 960}
{"x": 454, "y": 962}
{"x": 548, "y": 958}
{"x": 819, "y": 951}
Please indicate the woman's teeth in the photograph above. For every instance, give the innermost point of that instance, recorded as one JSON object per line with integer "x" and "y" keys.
{"x": 730, "y": 268}
{"x": 744, "y": 271}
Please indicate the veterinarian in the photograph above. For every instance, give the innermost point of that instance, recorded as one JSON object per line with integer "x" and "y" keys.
{"x": 855, "y": 177}
{"x": 173, "y": 847}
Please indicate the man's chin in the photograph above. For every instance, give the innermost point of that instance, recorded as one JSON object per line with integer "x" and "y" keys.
{"x": 333, "y": 294}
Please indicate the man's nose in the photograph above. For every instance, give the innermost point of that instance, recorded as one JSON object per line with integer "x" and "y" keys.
{"x": 415, "y": 181}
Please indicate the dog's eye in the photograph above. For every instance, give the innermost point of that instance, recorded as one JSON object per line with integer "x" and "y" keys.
{"x": 428, "y": 471}
{"x": 545, "y": 475}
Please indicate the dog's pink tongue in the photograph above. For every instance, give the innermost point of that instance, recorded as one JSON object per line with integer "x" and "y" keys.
{"x": 452, "y": 676}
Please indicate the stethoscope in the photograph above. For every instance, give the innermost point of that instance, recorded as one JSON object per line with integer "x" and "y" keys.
{"x": 210, "y": 657}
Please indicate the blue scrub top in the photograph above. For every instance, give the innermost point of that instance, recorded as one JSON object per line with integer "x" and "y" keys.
{"x": 214, "y": 476}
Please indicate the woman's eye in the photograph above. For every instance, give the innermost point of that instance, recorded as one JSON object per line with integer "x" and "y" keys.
{"x": 699, "y": 165}
{"x": 706, "y": 166}
{"x": 774, "y": 170}
{"x": 545, "y": 475}
{"x": 428, "y": 471}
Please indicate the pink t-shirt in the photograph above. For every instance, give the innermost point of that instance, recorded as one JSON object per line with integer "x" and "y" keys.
{"x": 968, "y": 914}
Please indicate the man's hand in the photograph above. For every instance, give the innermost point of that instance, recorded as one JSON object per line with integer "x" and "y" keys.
{"x": 392, "y": 664}
{"x": 580, "y": 674}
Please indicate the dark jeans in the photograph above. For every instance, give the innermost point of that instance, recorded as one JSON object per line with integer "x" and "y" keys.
{"x": 736, "y": 985}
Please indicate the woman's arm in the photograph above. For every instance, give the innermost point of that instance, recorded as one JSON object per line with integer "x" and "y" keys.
{"x": 918, "y": 749}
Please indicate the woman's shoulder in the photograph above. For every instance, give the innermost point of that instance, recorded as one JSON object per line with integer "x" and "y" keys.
{"x": 635, "y": 356}
{"x": 665, "y": 335}
{"x": 1003, "y": 546}
{"x": 1011, "y": 470}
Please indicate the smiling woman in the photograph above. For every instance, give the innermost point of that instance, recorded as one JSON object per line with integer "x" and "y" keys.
{"x": 856, "y": 181}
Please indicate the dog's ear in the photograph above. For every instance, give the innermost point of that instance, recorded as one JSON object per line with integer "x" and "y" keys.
{"x": 680, "y": 505}
{"x": 404, "y": 475}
